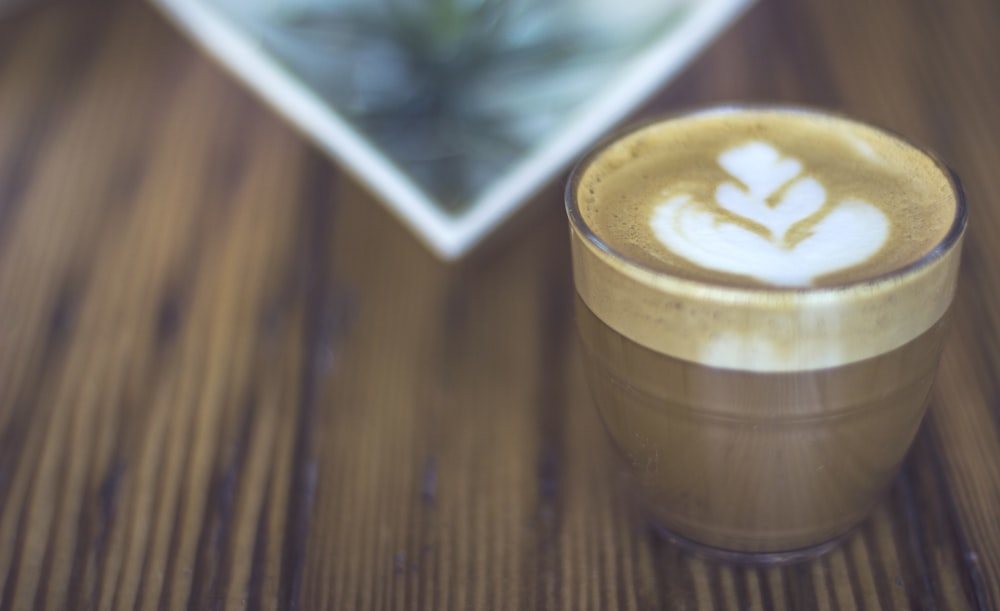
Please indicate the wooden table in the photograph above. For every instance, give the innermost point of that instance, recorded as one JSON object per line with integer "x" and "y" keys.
{"x": 230, "y": 379}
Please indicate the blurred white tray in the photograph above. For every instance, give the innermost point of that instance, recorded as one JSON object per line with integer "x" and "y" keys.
{"x": 587, "y": 94}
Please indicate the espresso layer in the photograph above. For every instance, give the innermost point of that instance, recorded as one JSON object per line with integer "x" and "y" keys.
{"x": 894, "y": 246}
{"x": 752, "y": 461}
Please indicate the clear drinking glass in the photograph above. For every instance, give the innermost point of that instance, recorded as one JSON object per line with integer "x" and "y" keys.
{"x": 743, "y": 461}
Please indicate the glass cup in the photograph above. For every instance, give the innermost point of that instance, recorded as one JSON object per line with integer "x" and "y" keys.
{"x": 752, "y": 463}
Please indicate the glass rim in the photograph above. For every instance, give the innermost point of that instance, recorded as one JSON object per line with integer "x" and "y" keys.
{"x": 947, "y": 242}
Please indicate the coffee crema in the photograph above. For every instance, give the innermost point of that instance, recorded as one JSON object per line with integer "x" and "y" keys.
{"x": 777, "y": 239}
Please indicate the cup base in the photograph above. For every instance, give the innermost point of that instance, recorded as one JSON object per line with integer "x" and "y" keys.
{"x": 720, "y": 555}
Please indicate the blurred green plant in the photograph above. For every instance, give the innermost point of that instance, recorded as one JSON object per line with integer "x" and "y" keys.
{"x": 452, "y": 91}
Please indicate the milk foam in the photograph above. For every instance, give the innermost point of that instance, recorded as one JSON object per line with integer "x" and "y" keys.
{"x": 696, "y": 236}
{"x": 848, "y": 234}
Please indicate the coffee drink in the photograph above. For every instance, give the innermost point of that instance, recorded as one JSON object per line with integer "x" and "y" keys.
{"x": 762, "y": 297}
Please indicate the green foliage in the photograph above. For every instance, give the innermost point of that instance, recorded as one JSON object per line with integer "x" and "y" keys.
{"x": 453, "y": 91}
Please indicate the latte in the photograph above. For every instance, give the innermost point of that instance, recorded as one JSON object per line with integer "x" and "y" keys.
{"x": 762, "y": 297}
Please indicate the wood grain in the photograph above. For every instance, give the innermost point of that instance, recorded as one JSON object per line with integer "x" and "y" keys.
{"x": 230, "y": 380}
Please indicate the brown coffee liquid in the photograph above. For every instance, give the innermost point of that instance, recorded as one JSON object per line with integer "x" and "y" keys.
{"x": 759, "y": 462}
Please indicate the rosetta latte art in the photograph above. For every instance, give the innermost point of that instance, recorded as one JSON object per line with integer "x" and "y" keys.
{"x": 773, "y": 195}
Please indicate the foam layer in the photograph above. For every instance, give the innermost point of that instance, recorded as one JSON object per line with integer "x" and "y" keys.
{"x": 695, "y": 237}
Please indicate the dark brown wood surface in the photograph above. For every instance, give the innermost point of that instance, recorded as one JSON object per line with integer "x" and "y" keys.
{"x": 229, "y": 379}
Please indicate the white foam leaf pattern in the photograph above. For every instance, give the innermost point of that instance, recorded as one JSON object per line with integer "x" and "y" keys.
{"x": 760, "y": 167}
{"x": 801, "y": 200}
{"x": 849, "y": 234}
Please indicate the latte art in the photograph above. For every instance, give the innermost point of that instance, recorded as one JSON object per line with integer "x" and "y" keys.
{"x": 774, "y": 240}
{"x": 773, "y": 196}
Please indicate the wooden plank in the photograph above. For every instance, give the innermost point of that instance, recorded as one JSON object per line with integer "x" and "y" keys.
{"x": 229, "y": 379}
